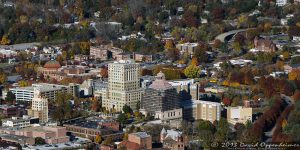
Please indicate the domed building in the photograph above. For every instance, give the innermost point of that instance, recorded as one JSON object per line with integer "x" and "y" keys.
{"x": 52, "y": 64}
{"x": 50, "y": 68}
{"x": 161, "y": 100}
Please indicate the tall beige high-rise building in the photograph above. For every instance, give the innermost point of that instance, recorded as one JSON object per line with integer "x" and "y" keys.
{"x": 123, "y": 85}
{"x": 39, "y": 108}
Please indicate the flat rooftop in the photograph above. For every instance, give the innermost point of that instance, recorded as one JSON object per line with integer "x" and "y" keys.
{"x": 43, "y": 87}
{"x": 189, "y": 103}
{"x": 14, "y": 137}
{"x": 141, "y": 134}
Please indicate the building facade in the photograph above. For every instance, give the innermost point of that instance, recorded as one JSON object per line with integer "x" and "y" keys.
{"x": 123, "y": 85}
{"x": 51, "y": 134}
{"x": 141, "y": 138}
{"x": 239, "y": 115}
{"x": 264, "y": 45}
{"x": 45, "y": 90}
{"x": 105, "y": 52}
{"x": 187, "y": 47}
{"x": 171, "y": 139}
{"x": 8, "y": 110}
{"x": 39, "y": 108}
{"x": 161, "y": 100}
{"x": 198, "y": 109}
{"x": 17, "y": 122}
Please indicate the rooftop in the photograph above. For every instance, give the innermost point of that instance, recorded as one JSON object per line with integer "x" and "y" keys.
{"x": 14, "y": 137}
{"x": 173, "y": 134}
{"x": 52, "y": 64}
{"x": 160, "y": 83}
{"x": 189, "y": 103}
{"x": 42, "y": 87}
{"x": 141, "y": 134}
{"x": 124, "y": 62}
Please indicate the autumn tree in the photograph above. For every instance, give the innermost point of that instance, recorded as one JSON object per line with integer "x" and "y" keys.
{"x": 226, "y": 101}
{"x": 104, "y": 72}
{"x": 200, "y": 52}
{"x": 294, "y": 74}
{"x": 169, "y": 44}
{"x": 84, "y": 48}
{"x": 98, "y": 139}
{"x": 192, "y": 71}
{"x": 3, "y": 78}
{"x": 23, "y": 83}
{"x": 217, "y": 43}
{"x": 96, "y": 105}
{"x": 5, "y": 40}
{"x": 68, "y": 80}
{"x": 267, "y": 27}
{"x": 145, "y": 72}
{"x": 296, "y": 96}
{"x": 195, "y": 61}
{"x": 218, "y": 13}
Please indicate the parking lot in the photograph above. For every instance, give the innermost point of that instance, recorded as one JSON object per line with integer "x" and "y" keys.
{"x": 73, "y": 144}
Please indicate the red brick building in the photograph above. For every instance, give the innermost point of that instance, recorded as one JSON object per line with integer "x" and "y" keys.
{"x": 137, "y": 141}
{"x": 264, "y": 45}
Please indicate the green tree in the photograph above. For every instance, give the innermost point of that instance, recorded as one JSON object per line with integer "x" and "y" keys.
{"x": 237, "y": 46}
{"x": 10, "y": 96}
{"x": 205, "y": 132}
{"x": 122, "y": 119}
{"x": 39, "y": 141}
{"x": 223, "y": 130}
{"x": 173, "y": 53}
{"x": 126, "y": 109}
{"x": 63, "y": 109}
{"x": 192, "y": 71}
{"x": 138, "y": 105}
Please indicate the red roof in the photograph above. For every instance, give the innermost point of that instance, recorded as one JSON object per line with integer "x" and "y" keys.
{"x": 52, "y": 64}
{"x": 160, "y": 83}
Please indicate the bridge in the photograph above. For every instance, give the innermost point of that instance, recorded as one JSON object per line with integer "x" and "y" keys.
{"x": 223, "y": 37}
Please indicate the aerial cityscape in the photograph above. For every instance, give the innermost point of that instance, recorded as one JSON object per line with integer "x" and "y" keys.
{"x": 149, "y": 74}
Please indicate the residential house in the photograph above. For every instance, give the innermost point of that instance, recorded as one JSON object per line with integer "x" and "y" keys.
{"x": 264, "y": 45}
{"x": 172, "y": 139}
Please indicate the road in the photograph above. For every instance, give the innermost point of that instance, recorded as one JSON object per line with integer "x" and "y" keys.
{"x": 21, "y": 46}
{"x": 222, "y": 36}
{"x": 269, "y": 133}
